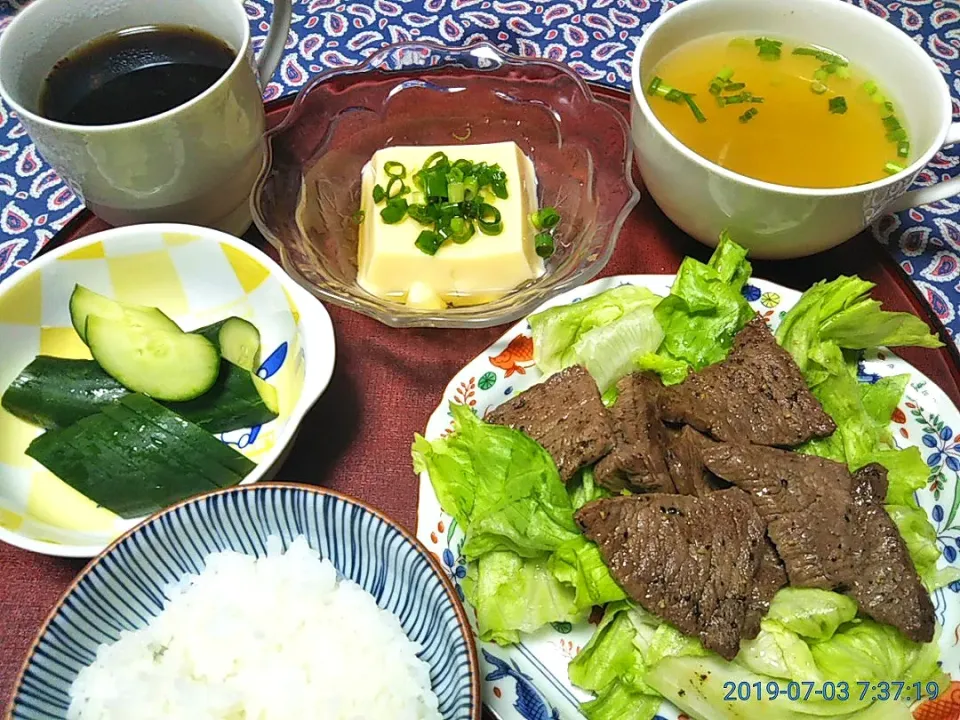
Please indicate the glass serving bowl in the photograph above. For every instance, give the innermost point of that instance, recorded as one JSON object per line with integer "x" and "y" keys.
{"x": 418, "y": 93}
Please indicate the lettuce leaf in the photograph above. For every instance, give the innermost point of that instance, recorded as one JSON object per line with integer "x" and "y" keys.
{"x": 614, "y": 663}
{"x": 867, "y": 651}
{"x": 602, "y": 333}
{"x": 583, "y": 488}
{"x": 612, "y": 666}
{"x": 811, "y": 613}
{"x": 618, "y": 702}
{"x": 501, "y": 486}
{"x": 704, "y": 310}
{"x": 671, "y": 371}
{"x": 512, "y": 595}
{"x": 579, "y": 565}
{"x": 778, "y": 653}
{"x": 610, "y": 654}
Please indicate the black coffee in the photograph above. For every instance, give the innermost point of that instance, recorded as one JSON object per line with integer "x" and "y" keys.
{"x": 133, "y": 74}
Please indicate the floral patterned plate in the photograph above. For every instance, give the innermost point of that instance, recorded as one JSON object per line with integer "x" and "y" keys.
{"x": 529, "y": 680}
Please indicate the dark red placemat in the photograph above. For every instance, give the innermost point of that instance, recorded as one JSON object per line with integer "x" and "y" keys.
{"x": 387, "y": 382}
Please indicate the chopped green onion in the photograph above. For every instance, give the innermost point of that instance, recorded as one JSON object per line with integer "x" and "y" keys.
{"x": 870, "y": 87}
{"x": 545, "y": 218}
{"x": 768, "y": 49}
{"x": 378, "y": 193}
{"x": 903, "y": 148}
{"x": 697, "y": 113}
{"x": 470, "y": 187}
{"x": 743, "y": 97}
{"x": 817, "y": 87}
{"x": 824, "y": 56}
{"x": 461, "y": 230}
{"x": 428, "y": 242}
{"x": 843, "y": 72}
{"x": 674, "y": 95}
{"x": 394, "y": 169}
{"x": 438, "y": 159}
{"x": 654, "y": 86}
{"x": 733, "y": 87}
{"x": 395, "y": 188}
{"x": 820, "y": 75}
{"x": 452, "y": 199}
{"x": 897, "y": 135}
{"x": 435, "y": 184}
{"x": 837, "y": 105}
{"x": 543, "y": 244}
{"x": 489, "y": 220}
{"x": 465, "y": 136}
{"x": 395, "y": 211}
{"x": 420, "y": 213}
{"x": 498, "y": 183}
{"x": 748, "y": 115}
{"x": 830, "y": 68}
{"x": 358, "y": 217}
{"x": 448, "y": 210}
{"x": 720, "y": 80}
{"x": 892, "y": 168}
{"x": 891, "y": 123}
{"x": 455, "y": 191}
{"x": 888, "y": 107}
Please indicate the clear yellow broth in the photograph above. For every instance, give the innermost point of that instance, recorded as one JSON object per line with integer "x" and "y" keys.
{"x": 793, "y": 138}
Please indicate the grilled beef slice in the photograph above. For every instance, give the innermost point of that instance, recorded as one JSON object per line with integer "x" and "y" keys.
{"x": 770, "y": 577}
{"x": 756, "y": 395}
{"x": 637, "y": 459}
{"x": 687, "y": 560}
{"x": 565, "y": 415}
{"x": 887, "y": 586}
{"x": 691, "y": 477}
{"x": 686, "y": 468}
{"x": 831, "y": 530}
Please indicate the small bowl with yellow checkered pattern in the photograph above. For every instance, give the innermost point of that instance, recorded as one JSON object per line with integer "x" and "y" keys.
{"x": 196, "y": 276}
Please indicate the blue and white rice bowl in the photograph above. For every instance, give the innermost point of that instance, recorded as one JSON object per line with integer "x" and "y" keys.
{"x": 125, "y": 587}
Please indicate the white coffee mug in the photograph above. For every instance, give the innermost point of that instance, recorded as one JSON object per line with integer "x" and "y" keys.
{"x": 777, "y": 221}
{"x": 195, "y": 163}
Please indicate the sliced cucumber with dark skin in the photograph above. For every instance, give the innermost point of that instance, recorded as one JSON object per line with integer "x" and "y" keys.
{"x": 165, "y": 365}
{"x": 238, "y": 340}
{"x": 55, "y": 392}
{"x": 156, "y": 458}
{"x": 239, "y": 399}
{"x": 198, "y": 441}
{"x": 172, "y": 448}
{"x": 85, "y": 302}
{"x": 81, "y": 456}
{"x": 131, "y": 465}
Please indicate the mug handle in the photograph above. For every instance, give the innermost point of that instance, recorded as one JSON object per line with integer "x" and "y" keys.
{"x": 933, "y": 193}
{"x": 274, "y": 45}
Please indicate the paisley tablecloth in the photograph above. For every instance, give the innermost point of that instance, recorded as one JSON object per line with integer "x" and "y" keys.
{"x": 596, "y": 37}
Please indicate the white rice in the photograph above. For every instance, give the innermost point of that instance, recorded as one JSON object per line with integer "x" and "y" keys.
{"x": 279, "y": 638}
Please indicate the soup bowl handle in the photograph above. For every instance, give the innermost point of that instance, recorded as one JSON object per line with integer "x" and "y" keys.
{"x": 274, "y": 45}
{"x": 934, "y": 193}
